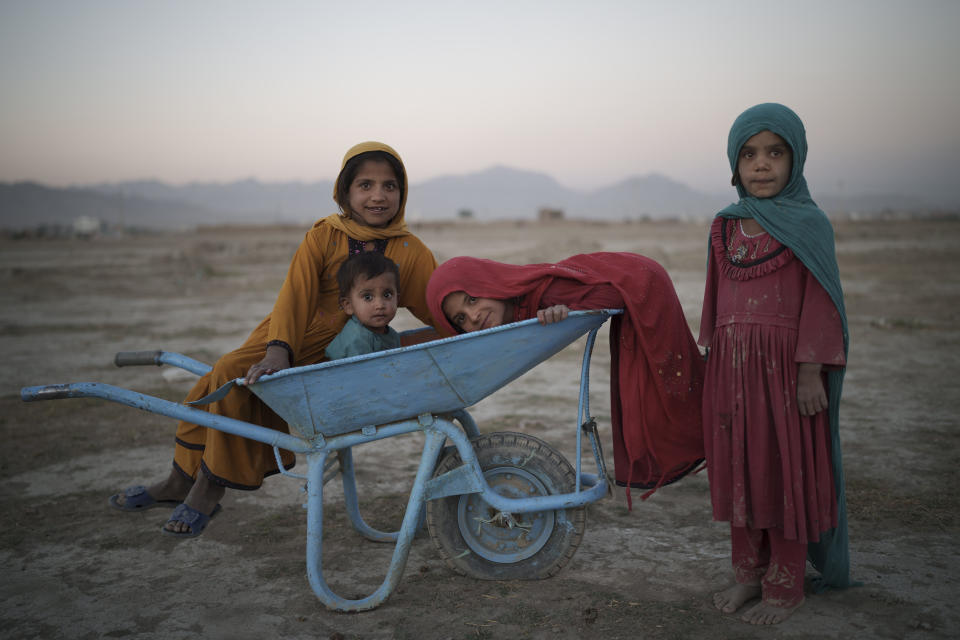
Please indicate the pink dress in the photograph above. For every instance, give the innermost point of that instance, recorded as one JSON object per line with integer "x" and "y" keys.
{"x": 763, "y": 313}
{"x": 656, "y": 369}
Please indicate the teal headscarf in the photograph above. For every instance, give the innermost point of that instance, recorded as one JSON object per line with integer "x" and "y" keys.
{"x": 794, "y": 219}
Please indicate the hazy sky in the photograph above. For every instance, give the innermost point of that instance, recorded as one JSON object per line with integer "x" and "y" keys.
{"x": 589, "y": 91}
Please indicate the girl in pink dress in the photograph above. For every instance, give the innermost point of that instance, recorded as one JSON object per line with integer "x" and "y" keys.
{"x": 774, "y": 323}
{"x": 656, "y": 371}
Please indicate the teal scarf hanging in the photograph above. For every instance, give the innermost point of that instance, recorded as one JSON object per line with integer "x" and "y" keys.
{"x": 794, "y": 219}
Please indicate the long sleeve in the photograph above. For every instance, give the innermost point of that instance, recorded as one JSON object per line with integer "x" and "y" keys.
{"x": 301, "y": 293}
{"x": 820, "y": 333}
{"x": 579, "y": 296}
{"x": 708, "y": 316}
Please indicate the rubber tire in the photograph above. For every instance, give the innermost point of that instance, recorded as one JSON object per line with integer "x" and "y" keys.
{"x": 550, "y": 469}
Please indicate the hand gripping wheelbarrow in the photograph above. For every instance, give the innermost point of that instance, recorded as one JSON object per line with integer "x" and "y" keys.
{"x": 498, "y": 506}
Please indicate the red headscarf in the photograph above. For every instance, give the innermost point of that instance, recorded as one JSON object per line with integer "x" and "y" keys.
{"x": 485, "y": 279}
{"x": 657, "y": 370}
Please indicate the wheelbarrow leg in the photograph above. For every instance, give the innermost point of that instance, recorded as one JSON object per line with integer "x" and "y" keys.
{"x": 431, "y": 448}
{"x": 351, "y": 496}
{"x": 352, "y": 502}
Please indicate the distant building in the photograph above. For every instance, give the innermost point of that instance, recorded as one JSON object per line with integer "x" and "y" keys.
{"x": 86, "y": 226}
{"x": 546, "y": 214}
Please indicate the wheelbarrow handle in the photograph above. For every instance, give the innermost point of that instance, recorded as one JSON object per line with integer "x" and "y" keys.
{"x": 137, "y": 358}
{"x": 46, "y": 392}
{"x": 134, "y": 358}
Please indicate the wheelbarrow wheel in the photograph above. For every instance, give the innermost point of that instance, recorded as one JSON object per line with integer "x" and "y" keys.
{"x": 476, "y": 540}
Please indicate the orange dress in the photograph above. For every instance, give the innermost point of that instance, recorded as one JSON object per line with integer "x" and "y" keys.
{"x": 307, "y": 317}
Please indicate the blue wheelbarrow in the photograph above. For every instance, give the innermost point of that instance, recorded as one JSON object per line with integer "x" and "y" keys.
{"x": 498, "y": 506}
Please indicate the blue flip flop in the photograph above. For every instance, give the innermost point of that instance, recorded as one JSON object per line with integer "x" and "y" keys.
{"x": 188, "y": 515}
{"x": 137, "y": 499}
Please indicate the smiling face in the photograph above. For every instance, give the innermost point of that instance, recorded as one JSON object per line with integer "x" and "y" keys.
{"x": 764, "y": 165}
{"x": 468, "y": 313}
{"x": 373, "y": 301}
{"x": 374, "y": 195}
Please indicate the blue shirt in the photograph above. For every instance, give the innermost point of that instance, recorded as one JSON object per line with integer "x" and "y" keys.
{"x": 355, "y": 340}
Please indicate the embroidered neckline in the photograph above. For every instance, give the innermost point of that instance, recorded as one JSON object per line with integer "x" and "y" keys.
{"x": 736, "y": 263}
{"x": 359, "y": 246}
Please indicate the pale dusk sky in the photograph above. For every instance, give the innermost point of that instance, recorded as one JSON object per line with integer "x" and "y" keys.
{"x": 589, "y": 93}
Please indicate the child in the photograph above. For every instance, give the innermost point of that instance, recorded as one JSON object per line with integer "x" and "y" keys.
{"x": 368, "y": 294}
{"x": 656, "y": 371}
{"x": 774, "y": 324}
{"x": 371, "y": 191}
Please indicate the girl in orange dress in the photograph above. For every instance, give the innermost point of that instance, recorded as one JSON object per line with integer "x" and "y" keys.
{"x": 371, "y": 191}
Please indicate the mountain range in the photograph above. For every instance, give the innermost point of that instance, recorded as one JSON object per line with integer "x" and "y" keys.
{"x": 495, "y": 193}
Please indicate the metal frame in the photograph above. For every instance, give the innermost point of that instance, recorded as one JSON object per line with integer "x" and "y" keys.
{"x": 437, "y": 429}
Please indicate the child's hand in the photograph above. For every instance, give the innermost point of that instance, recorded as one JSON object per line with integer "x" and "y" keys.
{"x": 556, "y": 313}
{"x": 811, "y": 396}
{"x": 276, "y": 359}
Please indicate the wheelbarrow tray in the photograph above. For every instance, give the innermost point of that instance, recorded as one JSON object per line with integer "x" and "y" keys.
{"x": 436, "y": 377}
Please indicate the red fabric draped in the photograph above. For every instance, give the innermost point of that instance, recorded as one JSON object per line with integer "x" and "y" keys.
{"x": 657, "y": 369}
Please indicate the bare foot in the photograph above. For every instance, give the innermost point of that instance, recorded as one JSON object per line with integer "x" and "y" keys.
{"x": 173, "y": 487}
{"x": 203, "y": 496}
{"x": 766, "y": 613}
{"x": 735, "y": 596}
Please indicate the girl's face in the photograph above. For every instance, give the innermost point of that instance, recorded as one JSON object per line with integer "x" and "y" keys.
{"x": 468, "y": 313}
{"x": 764, "y": 165}
{"x": 374, "y": 196}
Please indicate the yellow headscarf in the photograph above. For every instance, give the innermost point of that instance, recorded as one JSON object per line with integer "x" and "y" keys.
{"x": 396, "y": 227}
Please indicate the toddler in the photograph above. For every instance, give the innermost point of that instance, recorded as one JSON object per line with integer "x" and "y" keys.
{"x": 368, "y": 294}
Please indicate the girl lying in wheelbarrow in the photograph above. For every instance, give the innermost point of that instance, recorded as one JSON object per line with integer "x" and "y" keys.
{"x": 656, "y": 379}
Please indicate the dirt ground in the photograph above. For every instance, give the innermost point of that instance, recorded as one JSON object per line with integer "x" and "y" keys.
{"x": 74, "y": 568}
